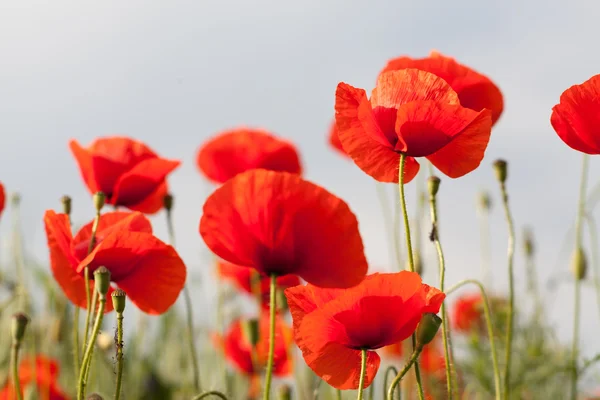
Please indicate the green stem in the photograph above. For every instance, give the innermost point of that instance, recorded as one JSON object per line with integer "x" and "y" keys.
{"x": 490, "y": 328}
{"x": 511, "y": 292}
{"x": 442, "y": 272}
{"x": 14, "y": 362}
{"x": 272, "y": 312}
{"x": 119, "y": 355}
{"x": 413, "y": 360}
{"x": 389, "y": 369}
{"x": 76, "y": 354}
{"x": 486, "y": 254}
{"x": 86, "y": 277}
{"x": 363, "y": 369}
{"x": 577, "y": 289}
{"x": 215, "y": 393}
{"x": 338, "y": 394}
{"x": 87, "y": 357}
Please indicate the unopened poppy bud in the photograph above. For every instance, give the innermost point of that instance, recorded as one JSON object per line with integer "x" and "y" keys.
{"x": 427, "y": 329}
{"x": 285, "y": 393}
{"x": 99, "y": 200}
{"x": 485, "y": 202}
{"x": 579, "y": 264}
{"x": 15, "y": 199}
{"x": 528, "y": 245}
{"x": 19, "y": 323}
{"x": 94, "y": 396}
{"x": 250, "y": 331}
{"x": 433, "y": 184}
{"x": 500, "y": 167}
{"x": 118, "y": 300}
{"x": 102, "y": 280}
{"x": 66, "y": 203}
{"x": 168, "y": 202}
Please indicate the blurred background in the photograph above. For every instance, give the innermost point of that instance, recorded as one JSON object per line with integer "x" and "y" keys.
{"x": 172, "y": 74}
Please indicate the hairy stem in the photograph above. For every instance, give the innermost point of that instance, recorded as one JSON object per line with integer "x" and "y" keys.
{"x": 272, "y": 312}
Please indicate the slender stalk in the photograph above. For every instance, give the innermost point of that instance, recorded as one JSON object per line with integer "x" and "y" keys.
{"x": 87, "y": 357}
{"x": 76, "y": 353}
{"x": 490, "y": 329}
{"x": 86, "y": 277}
{"x": 371, "y": 391}
{"x": 338, "y": 394}
{"x": 119, "y": 355}
{"x": 363, "y": 368}
{"x": 215, "y": 393}
{"x": 396, "y": 247}
{"x": 389, "y": 369}
{"x": 14, "y": 362}
{"x": 511, "y": 293}
{"x": 577, "y": 289}
{"x": 413, "y": 359}
{"x": 442, "y": 272}
{"x": 388, "y": 222}
{"x": 272, "y": 312}
{"x": 485, "y": 234}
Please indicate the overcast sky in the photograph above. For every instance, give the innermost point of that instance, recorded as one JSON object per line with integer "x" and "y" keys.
{"x": 174, "y": 73}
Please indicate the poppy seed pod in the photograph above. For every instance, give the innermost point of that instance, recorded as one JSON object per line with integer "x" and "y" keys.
{"x": 66, "y": 203}
{"x": 485, "y": 202}
{"x": 118, "y": 300}
{"x": 528, "y": 245}
{"x": 285, "y": 393}
{"x": 579, "y": 264}
{"x": 250, "y": 331}
{"x": 433, "y": 184}
{"x": 500, "y": 167}
{"x": 15, "y": 199}
{"x": 99, "y": 200}
{"x": 102, "y": 280}
{"x": 427, "y": 329}
{"x": 19, "y": 323}
{"x": 168, "y": 202}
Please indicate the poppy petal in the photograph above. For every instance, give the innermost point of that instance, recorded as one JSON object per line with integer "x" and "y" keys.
{"x": 135, "y": 185}
{"x": 154, "y": 202}
{"x": 2, "y": 198}
{"x": 84, "y": 160}
{"x": 576, "y": 118}
{"x": 304, "y": 299}
{"x": 363, "y": 139}
{"x": 283, "y": 225}
{"x": 465, "y": 152}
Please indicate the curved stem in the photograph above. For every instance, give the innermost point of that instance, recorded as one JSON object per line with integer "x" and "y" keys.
{"x": 215, "y": 393}
{"x": 272, "y": 312}
{"x": 396, "y": 381}
{"x": 420, "y": 391}
{"x": 389, "y": 369}
{"x": 577, "y": 289}
{"x": 119, "y": 355}
{"x": 86, "y": 277}
{"x": 511, "y": 292}
{"x": 87, "y": 357}
{"x": 76, "y": 354}
{"x": 363, "y": 368}
{"x": 442, "y": 266}
{"x": 14, "y": 362}
{"x": 490, "y": 328}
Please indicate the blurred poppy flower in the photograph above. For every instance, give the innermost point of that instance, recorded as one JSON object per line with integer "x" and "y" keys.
{"x": 2, "y": 198}
{"x": 278, "y": 223}
{"x": 334, "y": 140}
{"x": 576, "y": 119}
{"x": 332, "y": 325}
{"x": 242, "y": 278}
{"x": 467, "y": 314}
{"x": 239, "y": 150}
{"x": 414, "y": 113}
{"x": 474, "y": 90}
{"x": 127, "y": 171}
{"x": 431, "y": 359}
{"x": 44, "y": 377}
{"x": 148, "y": 270}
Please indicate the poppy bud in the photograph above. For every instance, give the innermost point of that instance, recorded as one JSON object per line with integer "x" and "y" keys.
{"x": 102, "y": 280}
{"x": 528, "y": 245}
{"x": 99, "y": 199}
{"x": 118, "y": 300}
{"x": 15, "y": 199}
{"x": 66, "y": 202}
{"x": 579, "y": 264}
{"x": 500, "y": 166}
{"x": 250, "y": 331}
{"x": 94, "y": 396}
{"x": 427, "y": 329}
{"x": 285, "y": 393}
{"x": 485, "y": 202}
{"x": 19, "y": 323}
{"x": 433, "y": 184}
{"x": 168, "y": 201}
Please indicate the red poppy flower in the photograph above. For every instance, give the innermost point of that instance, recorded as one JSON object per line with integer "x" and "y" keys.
{"x": 2, "y": 198}
{"x": 467, "y": 314}
{"x": 576, "y": 118}
{"x": 242, "y": 278}
{"x": 46, "y": 377}
{"x": 475, "y": 91}
{"x": 148, "y": 270}
{"x": 128, "y": 172}
{"x": 414, "y": 113}
{"x": 332, "y": 325}
{"x": 334, "y": 140}
{"x": 239, "y": 150}
{"x": 278, "y": 223}
{"x": 238, "y": 350}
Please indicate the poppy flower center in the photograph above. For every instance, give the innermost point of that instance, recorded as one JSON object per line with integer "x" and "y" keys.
{"x": 421, "y": 139}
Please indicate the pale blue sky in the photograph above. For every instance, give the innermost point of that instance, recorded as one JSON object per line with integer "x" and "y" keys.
{"x": 174, "y": 73}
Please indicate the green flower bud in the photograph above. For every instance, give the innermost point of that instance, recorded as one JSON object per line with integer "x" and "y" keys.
{"x": 19, "y": 323}
{"x": 66, "y": 203}
{"x": 168, "y": 202}
{"x": 99, "y": 200}
{"x": 485, "y": 201}
{"x": 500, "y": 167}
{"x": 285, "y": 393}
{"x": 250, "y": 330}
{"x": 579, "y": 264}
{"x": 433, "y": 184}
{"x": 118, "y": 300}
{"x": 528, "y": 245}
{"x": 102, "y": 280}
{"x": 428, "y": 328}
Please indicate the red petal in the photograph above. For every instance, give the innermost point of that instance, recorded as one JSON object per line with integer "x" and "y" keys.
{"x": 154, "y": 202}
{"x": 140, "y": 182}
{"x": 304, "y": 299}
{"x": 239, "y": 150}
{"x": 84, "y": 159}
{"x": 238, "y": 275}
{"x": 334, "y": 139}
{"x": 576, "y": 118}
{"x": 46, "y": 370}
{"x": 465, "y": 152}
{"x": 2, "y": 198}
{"x": 283, "y": 225}
{"x": 364, "y": 141}
{"x": 237, "y": 350}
